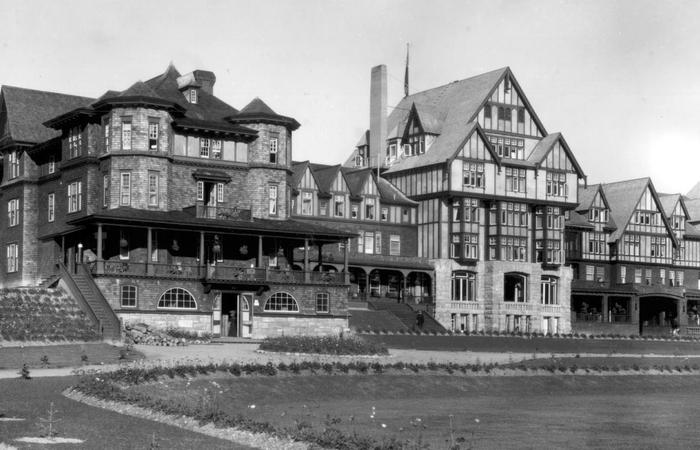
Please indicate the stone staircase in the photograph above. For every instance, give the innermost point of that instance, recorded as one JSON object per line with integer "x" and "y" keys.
{"x": 86, "y": 292}
{"x": 406, "y": 315}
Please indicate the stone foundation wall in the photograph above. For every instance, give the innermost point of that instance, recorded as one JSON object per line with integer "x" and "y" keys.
{"x": 200, "y": 323}
{"x": 268, "y": 326}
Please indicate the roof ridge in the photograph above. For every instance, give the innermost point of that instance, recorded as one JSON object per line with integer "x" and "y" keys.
{"x": 458, "y": 81}
{"x": 45, "y": 92}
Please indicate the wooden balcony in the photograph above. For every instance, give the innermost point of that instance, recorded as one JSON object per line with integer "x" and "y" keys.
{"x": 201, "y": 211}
{"x": 217, "y": 273}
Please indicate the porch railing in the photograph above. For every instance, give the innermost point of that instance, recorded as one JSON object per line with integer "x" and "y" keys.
{"x": 221, "y": 213}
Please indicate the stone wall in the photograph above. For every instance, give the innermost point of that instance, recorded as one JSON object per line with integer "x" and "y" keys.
{"x": 269, "y": 326}
{"x": 200, "y": 323}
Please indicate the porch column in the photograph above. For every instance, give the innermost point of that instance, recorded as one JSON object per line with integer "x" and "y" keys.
{"x": 100, "y": 262}
{"x": 346, "y": 260}
{"x": 634, "y": 309}
{"x": 604, "y": 308}
{"x": 150, "y": 270}
{"x": 681, "y": 312}
{"x": 63, "y": 249}
{"x": 404, "y": 287}
{"x": 260, "y": 252}
{"x": 367, "y": 291}
{"x": 307, "y": 275}
{"x": 320, "y": 257}
{"x": 202, "y": 271}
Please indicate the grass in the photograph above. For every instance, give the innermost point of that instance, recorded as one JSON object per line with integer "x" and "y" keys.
{"x": 327, "y": 345}
{"x": 512, "y": 412}
{"x": 69, "y": 355}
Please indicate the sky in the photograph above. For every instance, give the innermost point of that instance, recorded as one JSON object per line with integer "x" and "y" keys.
{"x": 617, "y": 77}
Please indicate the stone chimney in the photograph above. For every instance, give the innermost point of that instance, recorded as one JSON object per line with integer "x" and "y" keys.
{"x": 377, "y": 115}
{"x": 206, "y": 80}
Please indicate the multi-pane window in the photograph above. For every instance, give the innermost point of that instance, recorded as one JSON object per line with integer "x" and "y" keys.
{"x": 306, "y": 203}
{"x": 152, "y": 188}
{"x": 52, "y": 164}
{"x": 51, "y": 202}
{"x": 513, "y": 214}
{"x": 378, "y": 243}
{"x": 549, "y": 290}
{"x": 369, "y": 208}
{"x": 105, "y": 132}
{"x": 272, "y": 199}
{"x": 128, "y": 296}
{"x": 471, "y": 210}
{"x": 273, "y": 150}
{"x": 200, "y": 190}
{"x": 415, "y": 145}
{"x": 105, "y": 190}
{"x": 339, "y": 205}
{"x": 680, "y": 277}
{"x": 220, "y": 192}
{"x": 13, "y": 212}
{"x": 126, "y": 134}
{"x": 75, "y": 141}
{"x": 464, "y": 246}
{"x": 631, "y": 246}
{"x": 623, "y": 274}
{"x": 493, "y": 248}
{"x": 369, "y": 242}
{"x": 193, "y": 96}
{"x": 554, "y": 218}
{"x": 474, "y": 175}
{"x": 153, "y": 132}
{"x": 590, "y": 273}
{"x": 598, "y": 215}
{"x": 354, "y": 211}
{"x": 395, "y": 245}
{"x": 216, "y": 148}
{"x": 596, "y": 243}
{"x": 647, "y": 276}
{"x": 323, "y": 207}
{"x": 13, "y": 163}
{"x": 463, "y": 286}
{"x": 556, "y": 184}
{"x": 599, "y": 273}
{"x": 323, "y": 302}
{"x": 548, "y": 251}
{"x": 125, "y": 189}
{"x": 204, "y": 144}
{"x": 658, "y": 246}
{"x": 384, "y": 215}
{"x": 177, "y": 298}
{"x": 281, "y": 302}
{"x": 513, "y": 249}
{"x": 638, "y": 276}
{"x": 514, "y": 287}
{"x": 515, "y": 179}
{"x": 508, "y": 148}
{"x": 75, "y": 196}
{"x": 12, "y": 257}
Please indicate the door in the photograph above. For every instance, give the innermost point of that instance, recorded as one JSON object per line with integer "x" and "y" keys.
{"x": 229, "y": 313}
{"x": 246, "y": 314}
{"x": 217, "y": 327}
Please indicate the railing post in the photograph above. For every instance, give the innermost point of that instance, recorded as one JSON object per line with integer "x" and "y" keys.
{"x": 100, "y": 264}
{"x": 149, "y": 251}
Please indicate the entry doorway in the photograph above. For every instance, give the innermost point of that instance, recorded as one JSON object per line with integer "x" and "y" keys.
{"x": 236, "y": 314}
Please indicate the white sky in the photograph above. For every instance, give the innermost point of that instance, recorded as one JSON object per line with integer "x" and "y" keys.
{"x": 617, "y": 78}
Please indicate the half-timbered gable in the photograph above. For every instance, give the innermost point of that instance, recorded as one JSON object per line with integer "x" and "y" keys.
{"x": 558, "y": 171}
{"x": 305, "y": 190}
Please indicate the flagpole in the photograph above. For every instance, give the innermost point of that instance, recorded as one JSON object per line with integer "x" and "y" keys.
{"x": 405, "y": 77}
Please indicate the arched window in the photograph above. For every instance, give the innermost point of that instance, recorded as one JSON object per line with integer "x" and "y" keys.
{"x": 282, "y": 302}
{"x": 177, "y": 298}
{"x": 463, "y": 286}
{"x": 549, "y": 290}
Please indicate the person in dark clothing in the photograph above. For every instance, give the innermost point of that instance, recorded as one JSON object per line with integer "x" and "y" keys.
{"x": 420, "y": 319}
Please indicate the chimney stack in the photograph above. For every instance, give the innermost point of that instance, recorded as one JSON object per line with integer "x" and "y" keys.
{"x": 206, "y": 79}
{"x": 377, "y": 115}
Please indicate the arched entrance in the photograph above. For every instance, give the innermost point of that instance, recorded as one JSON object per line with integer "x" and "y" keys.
{"x": 657, "y": 314}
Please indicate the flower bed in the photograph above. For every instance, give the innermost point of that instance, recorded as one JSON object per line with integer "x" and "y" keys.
{"x": 326, "y": 345}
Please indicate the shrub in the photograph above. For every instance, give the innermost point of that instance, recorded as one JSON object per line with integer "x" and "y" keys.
{"x": 331, "y": 345}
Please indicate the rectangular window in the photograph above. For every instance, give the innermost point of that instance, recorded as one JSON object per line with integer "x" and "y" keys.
{"x": 193, "y": 96}
{"x": 75, "y": 141}
{"x": 395, "y": 245}
{"x": 384, "y": 214}
{"x": 200, "y": 190}
{"x": 515, "y": 179}
{"x": 599, "y": 273}
{"x": 153, "y": 136}
{"x": 590, "y": 273}
{"x": 369, "y": 242}
{"x": 272, "y": 198}
{"x": 323, "y": 207}
{"x": 152, "y": 188}
{"x": 154, "y": 246}
{"x": 75, "y": 196}
{"x": 123, "y": 245}
{"x": 105, "y": 132}
{"x": 378, "y": 243}
{"x": 361, "y": 242}
{"x": 679, "y": 277}
{"x": 354, "y": 211}
{"x": 323, "y": 302}
{"x": 273, "y": 150}
{"x": 623, "y": 274}
{"x": 306, "y": 203}
{"x": 216, "y": 148}
{"x": 556, "y": 184}
{"x": 52, "y": 164}
{"x": 463, "y": 286}
{"x": 220, "y": 192}
{"x": 13, "y": 163}
{"x": 204, "y": 147}
{"x": 638, "y": 276}
{"x": 13, "y": 212}
{"x": 339, "y": 206}
{"x": 51, "y": 202}
{"x": 126, "y": 134}
{"x": 105, "y": 190}
{"x": 369, "y": 209}
{"x": 12, "y": 257}
{"x": 474, "y": 175}
{"x": 125, "y": 189}
{"x": 128, "y": 296}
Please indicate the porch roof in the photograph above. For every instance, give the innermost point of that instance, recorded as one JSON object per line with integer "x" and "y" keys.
{"x": 183, "y": 220}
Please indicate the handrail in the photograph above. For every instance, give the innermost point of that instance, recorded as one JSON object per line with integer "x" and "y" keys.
{"x": 77, "y": 294}
{"x": 98, "y": 295}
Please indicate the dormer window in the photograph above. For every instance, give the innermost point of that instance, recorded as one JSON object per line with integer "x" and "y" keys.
{"x": 415, "y": 146}
{"x": 598, "y": 215}
{"x": 193, "y": 96}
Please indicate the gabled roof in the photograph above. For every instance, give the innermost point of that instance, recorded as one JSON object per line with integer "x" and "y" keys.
{"x": 543, "y": 147}
{"x": 669, "y": 202}
{"x": 389, "y": 194}
{"x": 325, "y": 176}
{"x": 429, "y": 117}
{"x": 298, "y": 171}
{"x": 28, "y": 109}
{"x": 586, "y": 195}
{"x": 356, "y": 179}
{"x": 623, "y": 197}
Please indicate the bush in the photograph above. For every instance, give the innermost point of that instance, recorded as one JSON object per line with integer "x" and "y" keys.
{"x": 328, "y": 345}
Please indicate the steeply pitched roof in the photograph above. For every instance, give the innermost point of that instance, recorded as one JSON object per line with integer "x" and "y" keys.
{"x": 356, "y": 180}
{"x": 257, "y": 106}
{"x": 390, "y": 194}
{"x": 693, "y": 207}
{"x": 668, "y": 203}
{"x": 258, "y": 111}
{"x": 28, "y": 109}
{"x": 325, "y": 176}
{"x": 298, "y": 170}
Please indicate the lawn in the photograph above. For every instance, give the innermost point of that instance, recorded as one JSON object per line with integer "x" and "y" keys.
{"x": 69, "y": 355}
{"x": 490, "y": 412}
{"x": 535, "y": 345}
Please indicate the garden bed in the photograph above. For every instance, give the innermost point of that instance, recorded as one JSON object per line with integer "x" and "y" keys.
{"x": 65, "y": 355}
{"x": 326, "y": 345}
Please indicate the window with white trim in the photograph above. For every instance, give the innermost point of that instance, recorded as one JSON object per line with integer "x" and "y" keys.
{"x": 515, "y": 179}
{"x": 51, "y": 202}
{"x": 75, "y": 196}
{"x": 126, "y": 134}
{"x": 153, "y": 179}
{"x": 474, "y": 175}
{"x": 127, "y": 296}
{"x": 220, "y": 192}
{"x": 272, "y": 199}
{"x": 105, "y": 190}
{"x": 384, "y": 215}
{"x": 378, "y": 243}
{"x": 323, "y": 304}
{"x": 369, "y": 242}
{"x": 216, "y": 146}
{"x": 354, "y": 212}
{"x": 514, "y": 287}
{"x": 13, "y": 212}
{"x": 281, "y": 302}
{"x": 463, "y": 286}
{"x": 339, "y": 206}
{"x": 153, "y": 134}
{"x": 52, "y": 164}
{"x": 590, "y": 273}
{"x": 75, "y": 141}
{"x": 13, "y": 163}
{"x": 623, "y": 274}
{"x": 200, "y": 190}
{"x": 556, "y": 184}
{"x": 125, "y": 189}
{"x": 369, "y": 209}
{"x": 177, "y": 298}
{"x": 306, "y": 203}
{"x": 274, "y": 143}
{"x": 193, "y": 96}
{"x": 12, "y": 257}
{"x": 394, "y": 245}
{"x": 549, "y": 288}
{"x": 105, "y": 132}
{"x": 638, "y": 276}
{"x": 204, "y": 147}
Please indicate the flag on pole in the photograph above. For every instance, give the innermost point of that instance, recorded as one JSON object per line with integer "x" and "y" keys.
{"x": 405, "y": 77}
